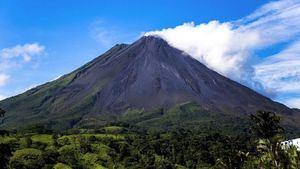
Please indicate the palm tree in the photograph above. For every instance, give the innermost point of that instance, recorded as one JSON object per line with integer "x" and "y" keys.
{"x": 270, "y": 135}
{"x": 272, "y": 155}
{"x": 294, "y": 157}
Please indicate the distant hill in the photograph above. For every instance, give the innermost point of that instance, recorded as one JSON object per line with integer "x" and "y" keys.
{"x": 147, "y": 83}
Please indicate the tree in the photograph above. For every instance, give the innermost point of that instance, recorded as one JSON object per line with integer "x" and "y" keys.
{"x": 272, "y": 155}
{"x": 50, "y": 155}
{"x": 2, "y": 112}
{"x": 70, "y": 155}
{"x": 266, "y": 124}
{"x": 28, "y": 141}
{"x": 5, "y": 153}
{"x": 270, "y": 135}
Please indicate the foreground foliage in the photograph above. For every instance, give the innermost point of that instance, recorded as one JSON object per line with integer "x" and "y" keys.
{"x": 129, "y": 148}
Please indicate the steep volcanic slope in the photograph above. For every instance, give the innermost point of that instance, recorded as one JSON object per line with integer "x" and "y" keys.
{"x": 148, "y": 74}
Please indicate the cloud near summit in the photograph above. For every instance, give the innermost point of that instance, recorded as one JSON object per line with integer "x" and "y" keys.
{"x": 232, "y": 48}
{"x": 217, "y": 45}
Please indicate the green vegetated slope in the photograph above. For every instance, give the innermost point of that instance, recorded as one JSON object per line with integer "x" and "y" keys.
{"x": 188, "y": 115}
{"x": 194, "y": 117}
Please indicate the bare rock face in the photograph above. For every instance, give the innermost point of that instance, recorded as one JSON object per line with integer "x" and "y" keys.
{"x": 148, "y": 74}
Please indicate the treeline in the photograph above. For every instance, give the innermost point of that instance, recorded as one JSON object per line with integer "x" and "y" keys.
{"x": 125, "y": 147}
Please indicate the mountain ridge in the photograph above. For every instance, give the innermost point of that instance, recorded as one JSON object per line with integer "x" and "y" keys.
{"x": 148, "y": 74}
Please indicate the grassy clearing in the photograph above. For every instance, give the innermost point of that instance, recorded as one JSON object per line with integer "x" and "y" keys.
{"x": 8, "y": 139}
{"x": 105, "y": 136}
{"x": 43, "y": 138}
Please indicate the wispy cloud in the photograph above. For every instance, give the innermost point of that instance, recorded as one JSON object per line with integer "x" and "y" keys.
{"x": 107, "y": 34}
{"x": 230, "y": 47}
{"x": 281, "y": 72}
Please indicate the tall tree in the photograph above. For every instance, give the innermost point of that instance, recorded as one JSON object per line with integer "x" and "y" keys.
{"x": 266, "y": 124}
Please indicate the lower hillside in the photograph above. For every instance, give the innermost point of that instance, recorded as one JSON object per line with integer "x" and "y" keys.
{"x": 189, "y": 116}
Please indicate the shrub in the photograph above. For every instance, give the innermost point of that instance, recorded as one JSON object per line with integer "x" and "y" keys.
{"x": 70, "y": 155}
{"x": 64, "y": 140}
{"x": 61, "y": 166}
{"x": 28, "y": 158}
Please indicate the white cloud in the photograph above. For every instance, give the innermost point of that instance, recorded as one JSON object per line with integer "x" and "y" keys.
{"x": 226, "y": 47}
{"x": 15, "y": 57}
{"x": 218, "y": 45}
{"x": 3, "y": 79}
{"x": 230, "y": 47}
{"x": 25, "y": 51}
{"x": 2, "y": 97}
{"x": 293, "y": 103}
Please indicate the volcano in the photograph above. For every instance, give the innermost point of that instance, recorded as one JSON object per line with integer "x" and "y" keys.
{"x": 148, "y": 75}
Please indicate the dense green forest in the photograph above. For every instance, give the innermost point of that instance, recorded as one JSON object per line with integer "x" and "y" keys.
{"x": 123, "y": 146}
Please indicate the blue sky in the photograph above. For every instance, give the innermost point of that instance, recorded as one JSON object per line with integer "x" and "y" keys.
{"x": 42, "y": 40}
